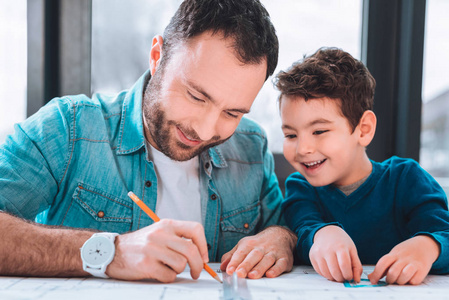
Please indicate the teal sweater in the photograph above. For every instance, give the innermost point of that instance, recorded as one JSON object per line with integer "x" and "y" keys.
{"x": 399, "y": 200}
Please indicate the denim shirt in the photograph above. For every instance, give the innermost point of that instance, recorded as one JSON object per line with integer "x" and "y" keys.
{"x": 78, "y": 157}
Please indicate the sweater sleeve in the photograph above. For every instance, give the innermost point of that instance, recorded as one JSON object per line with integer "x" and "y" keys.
{"x": 426, "y": 211}
{"x": 303, "y": 213}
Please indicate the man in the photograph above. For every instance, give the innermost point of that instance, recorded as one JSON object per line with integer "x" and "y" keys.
{"x": 184, "y": 149}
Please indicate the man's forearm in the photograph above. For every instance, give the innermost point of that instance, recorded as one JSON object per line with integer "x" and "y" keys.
{"x": 29, "y": 249}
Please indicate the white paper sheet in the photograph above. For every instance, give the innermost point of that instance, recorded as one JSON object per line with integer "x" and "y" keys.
{"x": 302, "y": 283}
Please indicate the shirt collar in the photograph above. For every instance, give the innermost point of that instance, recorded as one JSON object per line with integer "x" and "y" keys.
{"x": 131, "y": 136}
{"x": 217, "y": 158}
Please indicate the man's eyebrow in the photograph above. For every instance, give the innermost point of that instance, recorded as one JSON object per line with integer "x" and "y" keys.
{"x": 239, "y": 110}
{"x": 205, "y": 94}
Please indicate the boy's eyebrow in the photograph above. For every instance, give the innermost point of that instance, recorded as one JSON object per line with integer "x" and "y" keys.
{"x": 318, "y": 121}
{"x": 205, "y": 94}
{"x": 287, "y": 127}
{"x": 310, "y": 124}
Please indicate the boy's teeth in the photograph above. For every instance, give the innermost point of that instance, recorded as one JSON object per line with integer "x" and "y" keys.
{"x": 313, "y": 163}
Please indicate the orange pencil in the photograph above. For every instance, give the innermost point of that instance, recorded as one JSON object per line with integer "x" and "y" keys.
{"x": 155, "y": 218}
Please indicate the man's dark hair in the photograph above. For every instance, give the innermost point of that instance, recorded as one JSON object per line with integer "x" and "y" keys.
{"x": 247, "y": 22}
{"x": 332, "y": 73}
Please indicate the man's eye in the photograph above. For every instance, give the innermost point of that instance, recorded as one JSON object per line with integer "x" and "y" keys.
{"x": 318, "y": 132}
{"x": 232, "y": 115}
{"x": 195, "y": 98}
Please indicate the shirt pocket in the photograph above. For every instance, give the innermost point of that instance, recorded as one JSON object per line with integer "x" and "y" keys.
{"x": 96, "y": 209}
{"x": 239, "y": 223}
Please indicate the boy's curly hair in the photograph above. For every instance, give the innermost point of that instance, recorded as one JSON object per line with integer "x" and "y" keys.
{"x": 331, "y": 73}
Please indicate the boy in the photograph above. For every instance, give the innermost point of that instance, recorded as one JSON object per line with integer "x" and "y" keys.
{"x": 345, "y": 208}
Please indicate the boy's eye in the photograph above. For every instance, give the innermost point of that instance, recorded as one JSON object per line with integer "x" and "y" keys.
{"x": 318, "y": 132}
{"x": 290, "y": 136}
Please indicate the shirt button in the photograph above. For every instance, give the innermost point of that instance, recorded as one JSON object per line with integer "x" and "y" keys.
{"x": 207, "y": 165}
{"x": 246, "y": 225}
{"x": 147, "y": 183}
{"x": 213, "y": 197}
{"x": 208, "y": 246}
{"x": 100, "y": 214}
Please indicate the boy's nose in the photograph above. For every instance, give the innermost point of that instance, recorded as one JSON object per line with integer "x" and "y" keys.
{"x": 304, "y": 147}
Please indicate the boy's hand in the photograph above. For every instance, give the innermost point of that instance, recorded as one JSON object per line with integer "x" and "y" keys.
{"x": 408, "y": 262}
{"x": 334, "y": 255}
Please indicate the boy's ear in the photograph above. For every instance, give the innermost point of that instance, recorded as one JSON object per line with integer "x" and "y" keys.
{"x": 155, "y": 53}
{"x": 367, "y": 127}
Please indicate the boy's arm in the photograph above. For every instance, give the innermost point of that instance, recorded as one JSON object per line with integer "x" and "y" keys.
{"x": 426, "y": 212}
{"x": 334, "y": 255}
{"x": 423, "y": 205}
{"x": 326, "y": 246}
{"x": 302, "y": 214}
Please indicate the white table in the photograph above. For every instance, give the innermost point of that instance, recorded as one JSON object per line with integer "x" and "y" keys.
{"x": 302, "y": 283}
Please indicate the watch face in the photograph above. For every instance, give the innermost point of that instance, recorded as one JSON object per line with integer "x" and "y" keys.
{"x": 97, "y": 251}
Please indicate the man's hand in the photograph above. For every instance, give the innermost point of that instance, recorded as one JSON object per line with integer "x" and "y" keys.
{"x": 408, "y": 262}
{"x": 268, "y": 253}
{"x": 334, "y": 255}
{"x": 160, "y": 251}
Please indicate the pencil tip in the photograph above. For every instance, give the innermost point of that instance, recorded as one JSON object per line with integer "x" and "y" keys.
{"x": 218, "y": 279}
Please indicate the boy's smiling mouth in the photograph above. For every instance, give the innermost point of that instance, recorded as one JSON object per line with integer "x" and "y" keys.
{"x": 314, "y": 164}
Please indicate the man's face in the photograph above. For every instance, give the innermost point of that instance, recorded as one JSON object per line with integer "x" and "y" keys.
{"x": 319, "y": 143}
{"x": 196, "y": 99}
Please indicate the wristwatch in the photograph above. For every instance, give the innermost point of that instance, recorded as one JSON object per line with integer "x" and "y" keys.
{"x": 98, "y": 252}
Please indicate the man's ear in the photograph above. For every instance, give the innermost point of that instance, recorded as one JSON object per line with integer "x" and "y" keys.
{"x": 155, "y": 53}
{"x": 367, "y": 128}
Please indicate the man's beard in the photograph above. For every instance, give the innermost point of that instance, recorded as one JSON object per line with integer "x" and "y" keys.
{"x": 159, "y": 127}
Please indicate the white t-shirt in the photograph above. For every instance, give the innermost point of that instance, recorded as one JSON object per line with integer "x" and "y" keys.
{"x": 178, "y": 187}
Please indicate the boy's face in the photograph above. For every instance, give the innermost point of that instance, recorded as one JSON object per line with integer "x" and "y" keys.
{"x": 319, "y": 143}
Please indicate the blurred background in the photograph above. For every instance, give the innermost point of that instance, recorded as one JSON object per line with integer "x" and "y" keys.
{"x": 50, "y": 48}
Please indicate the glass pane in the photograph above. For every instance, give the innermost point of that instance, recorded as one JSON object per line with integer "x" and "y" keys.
{"x": 13, "y": 62}
{"x": 434, "y": 155}
{"x": 122, "y": 33}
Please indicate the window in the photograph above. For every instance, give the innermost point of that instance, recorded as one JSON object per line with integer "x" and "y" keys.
{"x": 435, "y": 111}
{"x": 13, "y": 59}
{"x": 122, "y": 32}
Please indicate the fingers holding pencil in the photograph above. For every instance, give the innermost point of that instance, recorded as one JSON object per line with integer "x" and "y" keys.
{"x": 193, "y": 244}
{"x": 155, "y": 252}
{"x": 189, "y": 240}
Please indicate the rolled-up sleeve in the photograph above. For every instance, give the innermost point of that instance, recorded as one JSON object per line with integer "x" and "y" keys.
{"x": 33, "y": 159}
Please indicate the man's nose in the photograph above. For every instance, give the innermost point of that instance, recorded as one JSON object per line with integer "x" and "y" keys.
{"x": 206, "y": 125}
